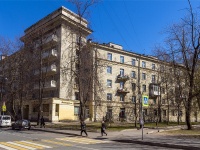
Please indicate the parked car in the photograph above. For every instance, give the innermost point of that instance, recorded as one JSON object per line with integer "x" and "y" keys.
{"x": 5, "y": 120}
{"x": 21, "y": 124}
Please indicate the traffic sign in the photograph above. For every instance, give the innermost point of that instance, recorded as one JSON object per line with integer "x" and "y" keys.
{"x": 4, "y": 108}
{"x": 145, "y": 100}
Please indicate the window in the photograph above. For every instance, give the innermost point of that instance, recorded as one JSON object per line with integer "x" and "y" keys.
{"x": 76, "y": 95}
{"x": 109, "y": 113}
{"x": 155, "y": 88}
{"x": 133, "y": 74}
{"x": 162, "y": 90}
{"x": 109, "y": 83}
{"x": 173, "y": 112}
{"x": 121, "y": 85}
{"x": 153, "y": 78}
{"x": 109, "y": 56}
{"x": 162, "y": 68}
{"x": 155, "y": 112}
{"x": 57, "y": 110}
{"x": 76, "y": 110}
{"x": 143, "y": 64}
{"x": 144, "y": 88}
{"x": 122, "y": 98}
{"x": 143, "y": 76}
{"x": 153, "y": 66}
{"x": 122, "y": 72}
{"x": 121, "y": 59}
{"x": 164, "y": 112}
{"x": 109, "y": 96}
{"x": 133, "y": 62}
{"x": 133, "y": 86}
{"x": 133, "y": 99}
{"x": 109, "y": 69}
{"x": 122, "y": 113}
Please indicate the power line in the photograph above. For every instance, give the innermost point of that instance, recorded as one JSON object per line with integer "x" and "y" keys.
{"x": 116, "y": 26}
{"x": 132, "y": 24}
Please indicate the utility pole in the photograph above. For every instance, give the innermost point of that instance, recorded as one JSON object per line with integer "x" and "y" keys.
{"x": 140, "y": 99}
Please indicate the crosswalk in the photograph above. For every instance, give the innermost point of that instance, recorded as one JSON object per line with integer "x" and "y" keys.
{"x": 48, "y": 143}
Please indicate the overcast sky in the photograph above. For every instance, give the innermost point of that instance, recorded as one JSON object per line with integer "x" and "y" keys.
{"x": 137, "y": 25}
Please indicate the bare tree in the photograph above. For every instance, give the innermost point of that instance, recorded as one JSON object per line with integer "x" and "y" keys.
{"x": 84, "y": 74}
{"x": 184, "y": 42}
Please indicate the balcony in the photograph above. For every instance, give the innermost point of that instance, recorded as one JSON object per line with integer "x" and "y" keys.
{"x": 154, "y": 90}
{"x": 50, "y": 40}
{"x": 122, "y": 90}
{"x": 122, "y": 77}
{"x": 50, "y": 54}
{"x": 47, "y": 70}
{"x": 47, "y": 86}
{"x": 50, "y": 69}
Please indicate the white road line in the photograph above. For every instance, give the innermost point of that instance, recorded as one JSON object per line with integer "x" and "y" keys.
{"x": 36, "y": 144}
{"x": 6, "y": 147}
{"x": 22, "y": 145}
{"x": 85, "y": 147}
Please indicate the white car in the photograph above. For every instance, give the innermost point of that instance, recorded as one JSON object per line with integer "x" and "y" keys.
{"x": 5, "y": 120}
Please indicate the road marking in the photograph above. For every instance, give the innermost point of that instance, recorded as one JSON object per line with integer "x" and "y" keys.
{"x": 81, "y": 140}
{"x": 13, "y": 146}
{"x": 40, "y": 145}
{"x": 6, "y": 147}
{"x": 27, "y": 147}
{"x": 85, "y": 147}
{"x": 58, "y": 143}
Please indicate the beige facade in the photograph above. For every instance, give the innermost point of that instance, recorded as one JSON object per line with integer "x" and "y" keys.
{"x": 122, "y": 76}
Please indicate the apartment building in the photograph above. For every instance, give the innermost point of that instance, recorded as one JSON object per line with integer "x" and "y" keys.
{"x": 50, "y": 47}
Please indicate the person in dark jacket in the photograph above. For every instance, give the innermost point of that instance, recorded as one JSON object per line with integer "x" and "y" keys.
{"x": 42, "y": 123}
{"x": 83, "y": 128}
{"x": 103, "y": 128}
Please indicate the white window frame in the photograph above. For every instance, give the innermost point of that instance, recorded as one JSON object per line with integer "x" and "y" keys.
{"x": 122, "y": 59}
{"x": 109, "y": 83}
{"x": 109, "y": 96}
{"x": 143, "y": 76}
{"x": 109, "y": 56}
{"x": 109, "y": 69}
{"x": 143, "y": 64}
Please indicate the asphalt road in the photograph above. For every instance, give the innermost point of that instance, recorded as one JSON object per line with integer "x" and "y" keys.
{"x": 33, "y": 139}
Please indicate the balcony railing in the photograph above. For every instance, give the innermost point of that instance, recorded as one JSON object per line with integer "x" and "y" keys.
{"x": 48, "y": 85}
{"x": 48, "y": 40}
{"x": 52, "y": 53}
{"x": 122, "y": 90}
{"x": 122, "y": 77}
{"x": 48, "y": 70}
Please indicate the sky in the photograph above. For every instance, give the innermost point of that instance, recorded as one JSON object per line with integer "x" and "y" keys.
{"x": 136, "y": 25}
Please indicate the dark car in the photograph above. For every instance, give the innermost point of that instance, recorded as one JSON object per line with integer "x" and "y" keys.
{"x": 21, "y": 124}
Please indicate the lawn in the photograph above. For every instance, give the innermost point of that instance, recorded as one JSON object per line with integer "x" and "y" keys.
{"x": 95, "y": 126}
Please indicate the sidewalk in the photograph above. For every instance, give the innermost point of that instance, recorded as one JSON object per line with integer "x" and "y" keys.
{"x": 133, "y": 136}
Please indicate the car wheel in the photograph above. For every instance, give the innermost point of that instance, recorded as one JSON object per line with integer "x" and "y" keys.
{"x": 29, "y": 128}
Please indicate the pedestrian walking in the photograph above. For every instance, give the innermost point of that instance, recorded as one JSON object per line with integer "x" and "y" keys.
{"x": 83, "y": 128}
{"x": 42, "y": 123}
{"x": 103, "y": 128}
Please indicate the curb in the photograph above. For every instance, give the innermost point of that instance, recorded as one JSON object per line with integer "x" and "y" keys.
{"x": 165, "y": 145}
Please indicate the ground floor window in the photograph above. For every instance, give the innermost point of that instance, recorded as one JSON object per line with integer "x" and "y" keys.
{"x": 57, "y": 110}
{"x": 76, "y": 110}
{"x": 122, "y": 113}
